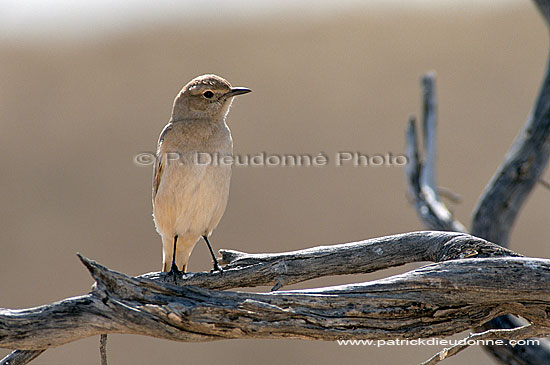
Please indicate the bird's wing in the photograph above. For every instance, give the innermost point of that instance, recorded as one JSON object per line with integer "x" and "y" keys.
{"x": 159, "y": 162}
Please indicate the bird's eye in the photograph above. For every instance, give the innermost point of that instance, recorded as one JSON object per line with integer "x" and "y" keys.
{"x": 208, "y": 94}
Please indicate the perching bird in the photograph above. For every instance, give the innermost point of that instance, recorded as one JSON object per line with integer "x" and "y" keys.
{"x": 189, "y": 193}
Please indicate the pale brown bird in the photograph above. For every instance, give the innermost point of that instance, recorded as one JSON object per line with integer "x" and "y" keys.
{"x": 190, "y": 194}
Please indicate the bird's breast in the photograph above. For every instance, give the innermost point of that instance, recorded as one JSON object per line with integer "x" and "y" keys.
{"x": 194, "y": 187}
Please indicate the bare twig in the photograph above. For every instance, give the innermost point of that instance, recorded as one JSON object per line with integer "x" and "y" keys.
{"x": 545, "y": 184}
{"x": 21, "y": 357}
{"x": 429, "y": 124}
{"x": 519, "y": 333}
{"x": 103, "y": 348}
{"x": 420, "y": 174}
{"x": 449, "y": 195}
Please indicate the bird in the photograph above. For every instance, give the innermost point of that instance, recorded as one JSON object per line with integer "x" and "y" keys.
{"x": 189, "y": 194}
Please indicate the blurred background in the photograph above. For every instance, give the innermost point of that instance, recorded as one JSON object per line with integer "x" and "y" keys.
{"x": 86, "y": 86}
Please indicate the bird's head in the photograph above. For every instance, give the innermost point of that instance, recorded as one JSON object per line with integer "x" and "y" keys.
{"x": 205, "y": 97}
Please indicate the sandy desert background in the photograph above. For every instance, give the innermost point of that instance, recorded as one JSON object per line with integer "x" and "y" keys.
{"x": 74, "y": 111}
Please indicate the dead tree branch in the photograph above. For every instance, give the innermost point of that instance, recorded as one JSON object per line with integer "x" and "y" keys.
{"x": 436, "y": 300}
{"x": 522, "y": 168}
{"x": 420, "y": 171}
{"x": 249, "y": 270}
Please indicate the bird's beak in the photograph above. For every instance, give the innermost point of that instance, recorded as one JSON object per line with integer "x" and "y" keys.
{"x": 237, "y": 91}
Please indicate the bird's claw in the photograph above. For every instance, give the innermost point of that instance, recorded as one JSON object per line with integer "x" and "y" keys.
{"x": 174, "y": 273}
{"x": 216, "y": 267}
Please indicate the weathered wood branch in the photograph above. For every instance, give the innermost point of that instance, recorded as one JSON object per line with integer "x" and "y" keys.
{"x": 420, "y": 172}
{"x": 435, "y": 300}
{"x": 524, "y": 164}
{"x": 249, "y": 270}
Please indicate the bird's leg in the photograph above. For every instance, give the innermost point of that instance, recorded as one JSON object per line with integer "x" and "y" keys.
{"x": 174, "y": 271}
{"x": 217, "y": 266}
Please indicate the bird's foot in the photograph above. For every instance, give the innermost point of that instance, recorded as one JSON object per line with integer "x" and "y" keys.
{"x": 174, "y": 273}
